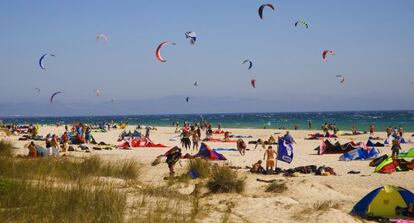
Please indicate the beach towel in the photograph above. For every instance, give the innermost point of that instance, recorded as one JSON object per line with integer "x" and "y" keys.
{"x": 240, "y": 137}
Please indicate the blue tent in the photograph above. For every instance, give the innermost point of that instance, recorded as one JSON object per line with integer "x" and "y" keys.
{"x": 383, "y": 202}
{"x": 360, "y": 154}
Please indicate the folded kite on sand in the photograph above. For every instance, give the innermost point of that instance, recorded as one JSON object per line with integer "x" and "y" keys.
{"x": 220, "y": 140}
{"x": 141, "y": 142}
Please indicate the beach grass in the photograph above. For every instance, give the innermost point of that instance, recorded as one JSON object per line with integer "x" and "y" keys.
{"x": 6, "y": 149}
{"x": 225, "y": 180}
{"x": 276, "y": 187}
{"x": 22, "y": 200}
{"x": 200, "y": 166}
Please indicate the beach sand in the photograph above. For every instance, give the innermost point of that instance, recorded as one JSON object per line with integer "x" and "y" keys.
{"x": 297, "y": 204}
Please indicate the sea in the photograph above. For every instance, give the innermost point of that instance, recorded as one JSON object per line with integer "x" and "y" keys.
{"x": 343, "y": 120}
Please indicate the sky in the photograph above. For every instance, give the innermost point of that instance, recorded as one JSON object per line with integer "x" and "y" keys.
{"x": 372, "y": 41}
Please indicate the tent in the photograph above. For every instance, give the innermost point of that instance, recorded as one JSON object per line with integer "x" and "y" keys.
{"x": 383, "y": 201}
{"x": 371, "y": 144}
{"x": 327, "y": 147}
{"x": 360, "y": 154}
{"x": 408, "y": 154}
{"x": 207, "y": 153}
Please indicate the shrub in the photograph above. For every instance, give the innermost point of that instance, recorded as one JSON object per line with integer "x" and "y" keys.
{"x": 6, "y": 149}
{"x": 200, "y": 166}
{"x": 276, "y": 187}
{"x": 225, "y": 180}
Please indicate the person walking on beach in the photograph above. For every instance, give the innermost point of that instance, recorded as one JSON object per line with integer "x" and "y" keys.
{"x": 147, "y": 132}
{"x": 310, "y": 124}
{"x": 270, "y": 156}
{"x": 395, "y": 149}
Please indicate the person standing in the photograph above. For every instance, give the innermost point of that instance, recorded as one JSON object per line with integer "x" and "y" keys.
{"x": 65, "y": 141}
{"x": 32, "y": 150}
{"x": 147, "y": 132}
{"x": 310, "y": 124}
{"x": 196, "y": 139}
{"x": 395, "y": 149}
{"x": 270, "y": 157}
{"x": 371, "y": 130}
{"x": 55, "y": 145}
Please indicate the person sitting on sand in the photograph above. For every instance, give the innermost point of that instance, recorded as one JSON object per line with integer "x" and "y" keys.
{"x": 226, "y": 136}
{"x": 269, "y": 156}
{"x": 172, "y": 158}
{"x": 32, "y": 150}
{"x": 241, "y": 147}
{"x": 271, "y": 140}
{"x": 257, "y": 168}
{"x": 260, "y": 142}
{"x": 395, "y": 149}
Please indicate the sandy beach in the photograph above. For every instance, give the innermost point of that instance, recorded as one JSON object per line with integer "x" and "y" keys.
{"x": 255, "y": 205}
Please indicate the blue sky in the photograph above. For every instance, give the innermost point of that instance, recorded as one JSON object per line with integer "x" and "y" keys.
{"x": 372, "y": 40}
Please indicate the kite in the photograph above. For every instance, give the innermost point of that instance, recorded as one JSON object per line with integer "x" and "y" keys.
{"x": 250, "y": 63}
{"x": 97, "y": 92}
{"x": 325, "y": 53}
{"x": 37, "y": 89}
{"x": 303, "y": 22}
{"x": 187, "y": 99}
{"x": 262, "y": 7}
{"x": 102, "y": 37}
{"x": 192, "y": 36}
{"x": 53, "y": 96}
{"x": 158, "y": 51}
{"x": 42, "y": 58}
{"x": 253, "y": 83}
{"x": 340, "y": 78}
{"x": 196, "y": 84}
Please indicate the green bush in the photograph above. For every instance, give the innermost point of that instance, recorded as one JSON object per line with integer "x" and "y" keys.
{"x": 225, "y": 180}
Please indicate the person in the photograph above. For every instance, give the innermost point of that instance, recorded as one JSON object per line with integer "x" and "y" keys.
{"x": 55, "y": 145}
{"x": 400, "y": 131}
{"x": 289, "y": 137}
{"x": 88, "y": 135}
{"x": 147, "y": 132}
{"x": 269, "y": 156}
{"x": 371, "y": 130}
{"x": 32, "y": 150}
{"x": 241, "y": 147}
{"x": 65, "y": 140}
{"x": 186, "y": 138}
{"x": 195, "y": 138}
{"x": 310, "y": 124}
{"x": 260, "y": 142}
{"x": 226, "y": 136}
{"x": 395, "y": 149}
{"x": 271, "y": 140}
{"x": 257, "y": 168}
{"x": 172, "y": 158}
{"x": 48, "y": 145}
{"x": 389, "y": 131}
{"x": 354, "y": 130}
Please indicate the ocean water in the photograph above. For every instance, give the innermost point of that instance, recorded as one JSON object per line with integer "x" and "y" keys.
{"x": 344, "y": 120}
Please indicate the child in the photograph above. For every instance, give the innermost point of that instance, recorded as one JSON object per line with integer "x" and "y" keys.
{"x": 395, "y": 149}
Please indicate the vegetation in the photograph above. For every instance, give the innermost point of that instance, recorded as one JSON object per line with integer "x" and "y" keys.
{"x": 201, "y": 167}
{"x": 276, "y": 187}
{"x": 6, "y": 148}
{"x": 24, "y": 201}
{"x": 225, "y": 180}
